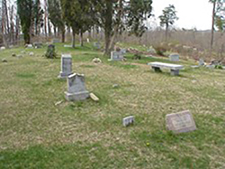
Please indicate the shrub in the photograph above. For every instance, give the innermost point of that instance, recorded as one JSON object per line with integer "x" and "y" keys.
{"x": 160, "y": 50}
{"x": 51, "y": 54}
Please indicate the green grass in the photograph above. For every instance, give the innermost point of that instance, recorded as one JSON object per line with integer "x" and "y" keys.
{"x": 35, "y": 132}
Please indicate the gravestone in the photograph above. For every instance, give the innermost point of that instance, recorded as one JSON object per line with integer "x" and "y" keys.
{"x": 37, "y": 45}
{"x": 123, "y": 51}
{"x": 180, "y": 122}
{"x": 128, "y": 121}
{"x": 3, "y": 48}
{"x": 29, "y": 46}
{"x": 55, "y": 40}
{"x": 174, "y": 57}
{"x": 116, "y": 56}
{"x": 201, "y": 62}
{"x": 67, "y": 46}
{"x": 97, "y": 45}
{"x": 76, "y": 88}
{"x": 151, "y": 50}
{"x": 66, "y": 66}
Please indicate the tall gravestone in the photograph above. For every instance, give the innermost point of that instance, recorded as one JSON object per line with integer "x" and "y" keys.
{"x": 66, "y": 66}
{"x": 76, "y": 88}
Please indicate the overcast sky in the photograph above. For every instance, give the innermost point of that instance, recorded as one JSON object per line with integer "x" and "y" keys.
{"x": 191, "y": 13}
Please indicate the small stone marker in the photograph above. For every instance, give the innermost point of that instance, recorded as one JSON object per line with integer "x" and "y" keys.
{"x": 4, "y": 60}
{"x": 31, "y": 54}
{"x": 97, "y": 45}
{"x": 88, "y": 40}
{"x": 55, "y": 40}
{"x": 94, "y": 97}
{"x": 123, "y": 51}
{"x": 180, "y": 122}
{"x": 37, "y": 45}
{"x": 128, "y": 121}
{"x": 66, "y": 66}
{"x": 174, "y": 57}
{"x": 29, "y": 46}
{"x": 116, "y": 56}
{"x": 3, "y": 48}
{"x": 67, "y": 46}
{"x": 97, "y": 60}
{"x": 201, "y": 62}
{"x": 76, "y": 88}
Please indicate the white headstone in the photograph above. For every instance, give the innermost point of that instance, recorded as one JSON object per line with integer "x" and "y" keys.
{"x": 128, "y": 121}
{"x": 2, "y": 48}
{"x": 174, "y": 57}
{"x": 76, "y": 88}
{"x": 29, "y": 46}
{"x": 88, "y": 40}
{"x": 180, "y": 122}
{"x": 66, "y": 66}
{"x": 116, "y": 55}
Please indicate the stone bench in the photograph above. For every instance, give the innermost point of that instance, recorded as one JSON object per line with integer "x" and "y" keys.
{"x": 174, "y": 68}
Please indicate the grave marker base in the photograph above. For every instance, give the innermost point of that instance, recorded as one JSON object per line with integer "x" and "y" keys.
{"x": 77, "y": 96}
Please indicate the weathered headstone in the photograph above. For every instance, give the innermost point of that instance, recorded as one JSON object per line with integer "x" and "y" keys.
{"x": 97, "y": 60}
{"x": 88, "y": 40}
{"x": 37, "y": 45}
{"x": 116, "y": 55}
{"x": 180, "y": 122}
{"x": 55, "y": 40}
{"x": 66, "y": 66}
{"x": 29, "y": 46}
{"x": 174, "y": 57}
{"x": 128, "y": 121}
{"x": 3, "y": 48}
{"x": 151, "y": 50}
{"x": 97, "y": 45}
{"x": 31, "y": 54}
{"x": 67, "y": 46}
{"x": 201, "y": 62}
{"x": 123, "y": 51}
{"x": 76, "y": 88}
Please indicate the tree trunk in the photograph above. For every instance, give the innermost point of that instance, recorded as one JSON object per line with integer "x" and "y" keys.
{"x": 45, "y": 19}
{"x": 73, "y": 37}
{"x": 108, "y": 26}
{"x": 213, "y": 21}
{"x": 63, "y": 34}
{"x": 116, "y": 28}
{"x": 81, "y": 39}
{"x": 167, "y": 30}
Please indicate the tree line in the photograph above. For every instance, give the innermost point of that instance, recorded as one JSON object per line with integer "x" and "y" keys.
{"x": 47, "y": 17}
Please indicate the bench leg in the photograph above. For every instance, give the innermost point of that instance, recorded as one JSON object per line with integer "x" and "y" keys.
{"x": 156, "y": 69}
{"x": 174, "y": 72}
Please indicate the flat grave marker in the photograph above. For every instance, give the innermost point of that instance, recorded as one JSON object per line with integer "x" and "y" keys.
{"x": 128, "y": 121}
{"x": 180, "y": 122}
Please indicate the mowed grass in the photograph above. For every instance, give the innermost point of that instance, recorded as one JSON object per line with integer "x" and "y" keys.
{"x": 40, "y": 129}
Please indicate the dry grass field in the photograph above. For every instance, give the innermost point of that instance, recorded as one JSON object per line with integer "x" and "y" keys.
{"x": 40, "y": 129}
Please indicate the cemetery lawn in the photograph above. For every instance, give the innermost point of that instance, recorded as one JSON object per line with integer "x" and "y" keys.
{"x": 40, "y": 129}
